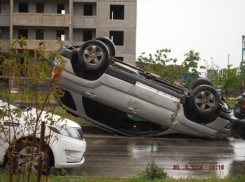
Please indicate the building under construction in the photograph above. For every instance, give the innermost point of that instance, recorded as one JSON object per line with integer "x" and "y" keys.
{"x": 72, "y": 21}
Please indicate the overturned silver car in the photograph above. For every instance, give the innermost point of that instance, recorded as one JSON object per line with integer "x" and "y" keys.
{"x": 126, "y": 100}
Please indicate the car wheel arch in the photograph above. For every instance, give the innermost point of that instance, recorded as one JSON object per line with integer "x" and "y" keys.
{"x": 200, "y": 81}
{"x": 19, "y": 140}
{"x": 111, "y": 46}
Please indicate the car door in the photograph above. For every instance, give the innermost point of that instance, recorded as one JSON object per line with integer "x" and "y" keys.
{"x": 110, "y": 91}
{"x": 133, "y": 98}
{"x": 153, "y": 105}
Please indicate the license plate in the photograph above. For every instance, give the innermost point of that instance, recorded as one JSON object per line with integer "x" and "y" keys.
{"x": 237, "y": 109}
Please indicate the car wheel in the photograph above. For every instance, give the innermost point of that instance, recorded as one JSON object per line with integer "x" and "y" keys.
{"x": 204, "y": 100}
{"x": 210, "y": 118}
{"x": 200, "y": 81}
{"x": 94, "y": 55}
{"x": 26, "y": 159}
{"x": 110, "y": 45}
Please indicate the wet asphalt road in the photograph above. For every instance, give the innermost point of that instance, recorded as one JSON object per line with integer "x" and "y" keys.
{"x": 115, "y": 156}
{"x": 180, "y": 156}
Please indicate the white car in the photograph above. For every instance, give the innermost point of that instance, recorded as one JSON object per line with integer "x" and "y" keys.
{"x": 66, "y": 144}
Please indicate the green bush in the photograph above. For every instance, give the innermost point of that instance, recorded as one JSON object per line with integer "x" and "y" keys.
{"x": 153, "y": 172}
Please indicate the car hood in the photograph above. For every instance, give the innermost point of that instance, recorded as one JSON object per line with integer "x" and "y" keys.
{"x": 32, "y": 114}
{"x": 51, "y": 119}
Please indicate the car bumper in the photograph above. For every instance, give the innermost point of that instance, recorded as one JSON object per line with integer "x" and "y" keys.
{"x": 68, "y": 152}
{"x": 238, "y": 127}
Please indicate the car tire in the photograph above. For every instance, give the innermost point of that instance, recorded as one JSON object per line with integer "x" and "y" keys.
{"x": 204, "y": 100}
{"x": 110, "y": 45}
{"x": 94, "y": 55}
{"x": 200, "y": 81}
{"x": 22, "y": 159}
{"x": 210, "y": 118}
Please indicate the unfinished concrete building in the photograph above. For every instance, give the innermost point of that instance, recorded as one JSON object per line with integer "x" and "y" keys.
{"x": 73, "y": 21}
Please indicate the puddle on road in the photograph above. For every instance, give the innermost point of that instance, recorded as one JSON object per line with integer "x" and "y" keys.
{"x": 196, "y": 159}
{"x": 180, "y": 157}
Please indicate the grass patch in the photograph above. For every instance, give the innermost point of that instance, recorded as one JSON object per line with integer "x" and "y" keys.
{"x": 152, "y": 173}
{"x": 231, "y": 102}
{"x": 63, "y": 113}
{"x": 4, "y": 177}
{"x": 28, "y": 97}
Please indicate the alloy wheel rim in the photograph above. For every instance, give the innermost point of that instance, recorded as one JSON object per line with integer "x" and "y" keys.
{"x": 26, "y": 158}
{"x": 93, "y": 55}
{"x": 204, "y": 100}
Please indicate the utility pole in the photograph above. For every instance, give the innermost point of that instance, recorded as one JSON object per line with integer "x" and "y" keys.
{"x": 226, "y": 91}
{"x": 242, "y": 65}
{"x": 243, "y": 46}
{"x": 243, "y": 51}
{"x": 228, "y": 60}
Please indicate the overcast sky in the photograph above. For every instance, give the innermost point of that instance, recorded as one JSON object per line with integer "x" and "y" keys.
{"x": 214, "y": 28}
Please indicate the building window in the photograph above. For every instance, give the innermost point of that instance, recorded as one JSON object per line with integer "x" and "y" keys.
{"x": 117, "y": 37}
{"x": 23, "y": 7}
{"x": 23, "y": 33}
{"x": 84, "y": 9}
{"x": 120, "y": 58}
{"x": 60, "y": 34}
{"x": 61, "y": 8}
{"x": 39, "y": 34}
{"x": 40, "y": 7}
{"x": 88, "y": 10}
{"x": 117, "y": 12}
{"x": 87, "y": 35}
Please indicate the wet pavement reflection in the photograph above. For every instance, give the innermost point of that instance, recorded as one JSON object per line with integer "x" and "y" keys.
{"x": 180, "y": 156}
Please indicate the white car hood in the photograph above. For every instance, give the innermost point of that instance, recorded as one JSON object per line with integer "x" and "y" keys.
{"x": 45, "y": 116}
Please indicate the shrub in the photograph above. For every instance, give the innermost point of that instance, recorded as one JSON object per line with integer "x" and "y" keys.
{"x": 153, "y": 171}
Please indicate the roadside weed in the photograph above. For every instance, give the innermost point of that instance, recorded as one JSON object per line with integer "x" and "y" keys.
{"x": 152, "y": 172}
{"x": 101, "y": 170}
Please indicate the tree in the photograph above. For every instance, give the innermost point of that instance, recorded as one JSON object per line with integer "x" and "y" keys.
{"x": 229, "y": 79}
{"x": 190, "y": 65}
{"x": 162, "y": 65}
{"x": 211, "y": 70}
{"x": 167, "y": 69}
{"x": 28, "y": 73}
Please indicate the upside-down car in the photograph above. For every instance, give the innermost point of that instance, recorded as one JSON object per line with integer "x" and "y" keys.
{"x": 126, "y": 100}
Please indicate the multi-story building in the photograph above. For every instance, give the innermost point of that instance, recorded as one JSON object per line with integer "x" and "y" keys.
{"x": 73, "y": 21}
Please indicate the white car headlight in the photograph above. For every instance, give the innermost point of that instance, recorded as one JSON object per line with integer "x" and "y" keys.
{"x": 68, "y": 131}
{"x": 72, "y": 132}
